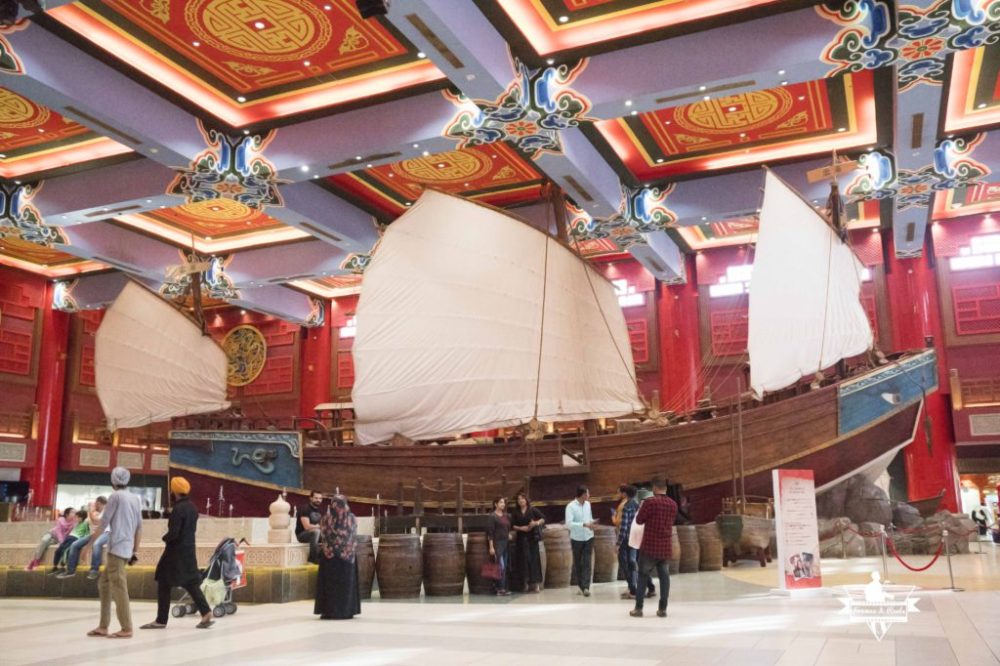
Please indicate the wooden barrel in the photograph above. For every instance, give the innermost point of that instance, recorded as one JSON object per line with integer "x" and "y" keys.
{"x": 675, "y": 552}
{"x": 605, "y": 554}
{"x": 558, "y": 556}
{"x": 399, "y": 566}
{"x": 687, "y": 536}
{"x": 477, "y": 551}
{"x": 444, "y": 564}
{"x": 365, "y": 554}
{"x": 709, "y": 547}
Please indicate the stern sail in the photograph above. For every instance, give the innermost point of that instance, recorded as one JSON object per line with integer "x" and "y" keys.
{"x": 152, "y": 363}
{"x": 450, "y": 321}
{"x": 805, "y": 308}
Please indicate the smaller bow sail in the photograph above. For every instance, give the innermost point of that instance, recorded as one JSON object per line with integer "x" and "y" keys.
{"x": 805, "y": 308}
{"x": 152, "y": 363}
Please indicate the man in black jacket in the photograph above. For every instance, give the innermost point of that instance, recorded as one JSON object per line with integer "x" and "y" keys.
{"x": 178, "y": 566}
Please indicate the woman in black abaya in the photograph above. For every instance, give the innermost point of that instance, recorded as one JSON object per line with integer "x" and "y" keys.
{"x": 337, "y": 595}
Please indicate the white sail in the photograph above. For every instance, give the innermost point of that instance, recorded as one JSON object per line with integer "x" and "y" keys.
{"x": 450, "y": 321}
{"x": 805, "y": 307}
{"x": 152, "y": 363}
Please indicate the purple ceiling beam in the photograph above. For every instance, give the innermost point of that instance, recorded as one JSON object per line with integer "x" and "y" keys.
{"x": 66, "y": 79}
{"x": 326, "y": 216}
{"x": 93, "y": 292}
{"x": 284, "y": 303}
{"x": 122, "y": 249}
{"x": 284, "y": 263}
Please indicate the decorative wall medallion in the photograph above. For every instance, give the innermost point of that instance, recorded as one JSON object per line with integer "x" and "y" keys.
{"x": 246, "y": 350}
{"x": 231, "y": 168}
{"x": 19, "y": 219}
{"x": 317, "y": 313}
{"x": 268, "y": 30}
{"x": 62, "y": 296}
{"x": 530, "y": 113}
{"x": 918, "y": 43}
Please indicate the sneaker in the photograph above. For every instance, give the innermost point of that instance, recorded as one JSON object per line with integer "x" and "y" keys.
{"x": 635, "y": 612}
{"x": 92, "y": 575}
{"x": 661, "y": 613}
{"x": 66, "y": 574}
{"x": 586, "y": 592}
{"x": 32, "y": 565}
{"x": 55, "y": 571}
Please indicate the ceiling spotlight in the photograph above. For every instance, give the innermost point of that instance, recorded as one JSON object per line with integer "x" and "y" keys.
{"x": 368, "y": 166}
{"x": 702, "y": 88}
{"x": 370, "y": 8}
{"x": 666, "y": 122}
{"x": 41, "y": 130}
{"x": 357, "y": 157}
{"x": 781, "y": 72}
{"x": 260, "y": 25}
{"x": 628, "y": 102}
{"x": 441, "y": 165}
{"x": 416, "y": 145}
{"x": 784, "y": 83}
{"x": 306, "y": 63}
{"x": 421, "y": 54}
{"x": 243, "y": 312}
{"x": 246, "y": 131}
{"x": 704, "y": 219}
{"x": 841, "y": 129}
{"x": 426, "y": 153}
{"x": 563, "y": 19}
{"x": 2, "y": 156}
{"x": 659, "y": 160}
{"x": 634, "y": 113}
{"x": 196, "y": 44}
{"x": 981, "y": 105}
{"x": 550, "y": 61}
{"x": 304, "y": 167}
{"x": 707, "y": 97}
{"x": 241, "y": 99}
{"x": 802, "y": 98}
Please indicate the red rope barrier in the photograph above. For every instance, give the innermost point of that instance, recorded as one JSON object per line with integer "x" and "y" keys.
{"x": 892, "y": 547}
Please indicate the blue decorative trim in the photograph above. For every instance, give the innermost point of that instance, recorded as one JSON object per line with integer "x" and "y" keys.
{"x": 885, "y": 391}
{"x": 19, "y": 219}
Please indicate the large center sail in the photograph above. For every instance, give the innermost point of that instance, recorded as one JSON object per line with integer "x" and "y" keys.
{"x": 805, "y": 308}
{"x": 152, "y": 363}
{"x": 450, "y": 324}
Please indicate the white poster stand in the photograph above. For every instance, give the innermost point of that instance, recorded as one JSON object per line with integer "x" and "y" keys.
{"x": 797, "y": 533}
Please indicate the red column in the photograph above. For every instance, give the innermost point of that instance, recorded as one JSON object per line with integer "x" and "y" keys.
{"x": 680, "y": 342}
{"x": 315, "y": 382}
{"x": 49, "y": 397}
{"x": 913, "y": 301}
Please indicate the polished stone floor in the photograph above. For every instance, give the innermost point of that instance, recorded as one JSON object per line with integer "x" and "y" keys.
{"x": 715, "y": 618}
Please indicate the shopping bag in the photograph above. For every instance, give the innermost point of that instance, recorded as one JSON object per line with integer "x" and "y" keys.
{"x": 491, "y": 571}
{"x": 635, "y": 535}
{"x": 214, "y": 591}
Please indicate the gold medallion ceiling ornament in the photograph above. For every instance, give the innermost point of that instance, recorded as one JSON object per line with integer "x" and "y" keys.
{"x": 246, "y": 350}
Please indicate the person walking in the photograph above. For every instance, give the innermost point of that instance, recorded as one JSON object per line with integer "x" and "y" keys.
{"x": 527, "y": 522}
{"x": 178, "y": 565}
{"x": 656, "y": 515}
{"x": 626, "y": 555}
{"x": 498, "y": 537}
{"x": 337, "y": 596}
{"x": 123, "y": 515}
{"x": 580, "y": 521}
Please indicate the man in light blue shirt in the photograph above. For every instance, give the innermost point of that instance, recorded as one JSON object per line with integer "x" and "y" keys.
{"x": 580, "y": 522}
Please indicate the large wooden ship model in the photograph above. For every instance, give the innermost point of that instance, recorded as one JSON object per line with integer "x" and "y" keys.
{"x": 471, "y": 320}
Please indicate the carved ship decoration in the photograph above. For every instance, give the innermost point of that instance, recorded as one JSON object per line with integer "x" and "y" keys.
{"x": 472, "y": 320}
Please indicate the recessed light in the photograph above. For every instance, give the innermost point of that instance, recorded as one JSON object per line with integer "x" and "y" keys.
{"x": 196, "y": 44}
{"x": 628, "y": 102}
{"x": 784, "y": 83}
{"x": 426, "y": 153}
{"x": 563, "y": 19}
{"x": 327, "y": 7}
{"x": 957, "y": 204}
{"x": 357, "y": 157}
{"x": 634, "y": 113}
{"x": 981, "y": 105}
{"x": 315, "y": 176}
{"x": 246, "y": 132}
{"x": 208, "y": 238}
{"x": 149, "y": 201}
{"x": 550, "y": 61}
{"x": 368, "y": 166}
{"x": 802, "y": 98}
{"x": 2, "y": 156}
{"x": 416, "y": 145}
{"x": 707, "y": 97}
{"x": 704, "y": 219}
{"x": 260, "y": 25}
{"x": 304, "y": 167}
{"x": 666, "y": 122}
{"x": 243, "y": 312}
{"x": 306, "y": 63}
{"x": 105, "y": 210}
{"x": 659, "y": 160}
{"x": 466, "y": 185}
{"x": 781, "y": 72}
{"x": 408, "y": 203}
{"x": 951, "y": 136}
{"x": 701, "y": 88}
{"x": 17, "y": 182}
{"x": 441, "y": 165}
{"x": 392, "y": 175}
{"x": 154, "y": 150}
{"x": 742, "y": 134}
{"x": 732, "y": 108}
{"x": 241, "y": 99}
{"x": 841, "y": 129}
{"x": 421, "y": 54}
{"x": 41, "y": 130}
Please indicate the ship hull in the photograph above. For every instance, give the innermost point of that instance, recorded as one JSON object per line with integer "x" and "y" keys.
{"x": 835, "y": 431}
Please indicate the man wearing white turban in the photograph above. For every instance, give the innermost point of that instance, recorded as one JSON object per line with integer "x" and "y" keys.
{"x": 123, "y": 517}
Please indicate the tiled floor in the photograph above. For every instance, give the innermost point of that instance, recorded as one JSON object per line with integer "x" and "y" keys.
{"x": 714, "y": 619}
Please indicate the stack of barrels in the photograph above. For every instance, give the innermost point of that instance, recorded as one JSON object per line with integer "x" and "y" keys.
{"x": 365, "y": 554}
{"x": 687, "y": 538}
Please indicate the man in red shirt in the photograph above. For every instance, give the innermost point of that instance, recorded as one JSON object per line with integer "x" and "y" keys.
{"x": 656, "y": 515}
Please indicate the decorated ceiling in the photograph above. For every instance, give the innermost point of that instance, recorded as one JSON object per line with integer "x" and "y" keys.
{"x": 275, "y": 139}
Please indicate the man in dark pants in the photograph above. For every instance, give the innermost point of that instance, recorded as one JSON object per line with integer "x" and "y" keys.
{"x": 580, "y": 521}
{"x": 178, "y": 565}
{"x": 656, "y": 515}
{"x": 307, "y": 524}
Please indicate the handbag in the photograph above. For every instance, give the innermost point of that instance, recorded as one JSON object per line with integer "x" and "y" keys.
{"x": 491, "y": 570}
{"x": 214, "y": 591}
{"x": 635, "y": 535}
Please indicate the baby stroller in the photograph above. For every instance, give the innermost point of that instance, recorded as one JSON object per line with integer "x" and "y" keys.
{"x": 221, "y": 567}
